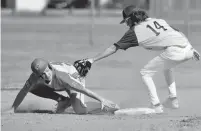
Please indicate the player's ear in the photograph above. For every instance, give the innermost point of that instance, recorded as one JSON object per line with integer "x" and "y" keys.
{"x": 50, "y": 67}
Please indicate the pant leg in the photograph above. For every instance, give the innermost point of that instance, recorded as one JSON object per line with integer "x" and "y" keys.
{"x": 77, "y": 100}
{"x": 78, "y": 104}
{"x": 47, "y": 92}
{"x": 166, "y": 61}
{"x": 170, "y": 80}
{"x": 176, "y": 56}
{"x": 147, "y": 73}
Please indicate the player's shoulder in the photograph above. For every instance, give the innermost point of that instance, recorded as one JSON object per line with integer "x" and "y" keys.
{"x": 149, "y": 21}
{"x": 63, "y": 67}
{"x": 33, "y": 79}
{"x": 33, "y": 76}
{"x": 57, "y": 63}
{"x": 154, "y": 19}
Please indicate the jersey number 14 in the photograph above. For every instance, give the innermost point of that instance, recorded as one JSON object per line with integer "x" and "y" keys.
{"x": 157, "y": 26}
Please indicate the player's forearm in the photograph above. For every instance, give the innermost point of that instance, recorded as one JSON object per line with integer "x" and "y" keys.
{"x": 20, "y": 97}
{"x": 92, "y": 94}
{"x": 77, "y": 86}
{"x": 109, "y": 51}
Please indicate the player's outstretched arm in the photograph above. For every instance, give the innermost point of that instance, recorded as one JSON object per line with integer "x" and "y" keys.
{"x": 23, "y": 92}
{"x": 128, "y": 40}
{"x": 20, "y": 96}
{"x": 77, "y": 86}
{"x": 107, "y": 52}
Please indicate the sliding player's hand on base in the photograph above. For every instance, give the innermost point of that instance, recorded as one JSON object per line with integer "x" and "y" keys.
{"x": 8, "y": 110}
{"x": 109, "y": 106}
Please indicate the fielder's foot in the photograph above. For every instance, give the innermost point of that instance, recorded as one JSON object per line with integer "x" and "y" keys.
{"x": 171, "y": 103}
{"x": 62, "y": 105}
{"x": 158, "y": 108}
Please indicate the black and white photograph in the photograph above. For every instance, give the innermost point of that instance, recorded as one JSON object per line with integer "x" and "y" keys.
{"x": 100, "y": 65}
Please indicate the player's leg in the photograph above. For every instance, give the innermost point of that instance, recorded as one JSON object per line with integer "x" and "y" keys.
{"x": 159, "y": 63}
{"x": 77, "y": 99}
{"x": 176, "y": 56}
{"x": 81, "y": 107}
{"x": 170, "y": 80}
{"x": 167, "y": 60}
{"x": 49, "y": 93}
{"x": 171, "y": 101}
{"x": 147, "y": 73}
{"x": 78, "y": 103}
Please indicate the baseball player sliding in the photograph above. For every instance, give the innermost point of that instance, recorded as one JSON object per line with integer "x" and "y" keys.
{"x": 48, "y": 77}
{"x": 157, "y": 35}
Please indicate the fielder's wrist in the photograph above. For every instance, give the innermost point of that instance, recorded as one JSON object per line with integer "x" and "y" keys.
{"x": 91, "y": 60}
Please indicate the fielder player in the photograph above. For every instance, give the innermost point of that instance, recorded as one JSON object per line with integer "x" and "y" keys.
{"x": 155, "y": 35}
{"x": 48, "y": 77}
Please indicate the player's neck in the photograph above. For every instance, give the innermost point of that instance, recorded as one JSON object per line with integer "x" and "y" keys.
{"x": 53, "y": 75}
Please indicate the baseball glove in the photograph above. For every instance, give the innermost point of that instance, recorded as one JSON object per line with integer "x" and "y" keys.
{"x": 82, "y": 67}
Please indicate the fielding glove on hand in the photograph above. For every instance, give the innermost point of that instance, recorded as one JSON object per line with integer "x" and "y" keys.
{"x": 82, "y": 67}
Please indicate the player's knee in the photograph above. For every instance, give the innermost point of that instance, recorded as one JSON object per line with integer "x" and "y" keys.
{"x": 146, "y": 72}
{"x": 78, "y": 105}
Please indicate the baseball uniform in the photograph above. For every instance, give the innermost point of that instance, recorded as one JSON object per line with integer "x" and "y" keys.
{"x": 156, "y": 34}
{"x": 65, "y": 77}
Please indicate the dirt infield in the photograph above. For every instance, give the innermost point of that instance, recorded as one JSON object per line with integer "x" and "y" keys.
{"x": 187, "y": 118}
{"x": 117, "y": 78}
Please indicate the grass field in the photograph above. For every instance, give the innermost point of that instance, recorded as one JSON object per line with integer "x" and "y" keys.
{"x": 66, "y": 38}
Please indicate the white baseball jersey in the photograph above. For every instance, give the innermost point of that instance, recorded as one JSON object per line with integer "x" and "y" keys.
{"x": 153, "y": 34}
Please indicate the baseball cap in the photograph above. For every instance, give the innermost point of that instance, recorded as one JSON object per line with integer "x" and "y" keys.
{"x": 127, "y": 11}
{"x": 39, "y": 65}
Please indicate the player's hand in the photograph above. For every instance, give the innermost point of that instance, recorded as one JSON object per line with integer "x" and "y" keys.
{"x": 9, "y": 110}
{"x": 109, "y": 106}
{"x": 196, "y": 55}
{"x": 91, "y": 60}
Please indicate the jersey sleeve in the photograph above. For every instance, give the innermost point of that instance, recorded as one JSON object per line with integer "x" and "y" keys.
{"x": 128, "y": 40}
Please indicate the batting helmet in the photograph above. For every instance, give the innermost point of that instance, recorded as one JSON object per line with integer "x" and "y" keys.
{"x": 39, "y": 65}
{"x": 136, "y": 14}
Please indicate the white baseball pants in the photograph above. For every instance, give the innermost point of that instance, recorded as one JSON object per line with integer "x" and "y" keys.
{"x": 166, "y": 62}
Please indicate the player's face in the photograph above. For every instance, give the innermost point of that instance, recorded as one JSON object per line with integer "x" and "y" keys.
{"x": 128, "y": 22}
{"x": 47, "y": 75}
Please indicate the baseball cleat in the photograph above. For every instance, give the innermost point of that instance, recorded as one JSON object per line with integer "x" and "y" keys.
{"x": 171, "y": 103}
{"x": 62, "y": 106}
{"x": 158, "y": 108}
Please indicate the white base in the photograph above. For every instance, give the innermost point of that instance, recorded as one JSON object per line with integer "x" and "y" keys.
{"x": 134, "y": 111}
